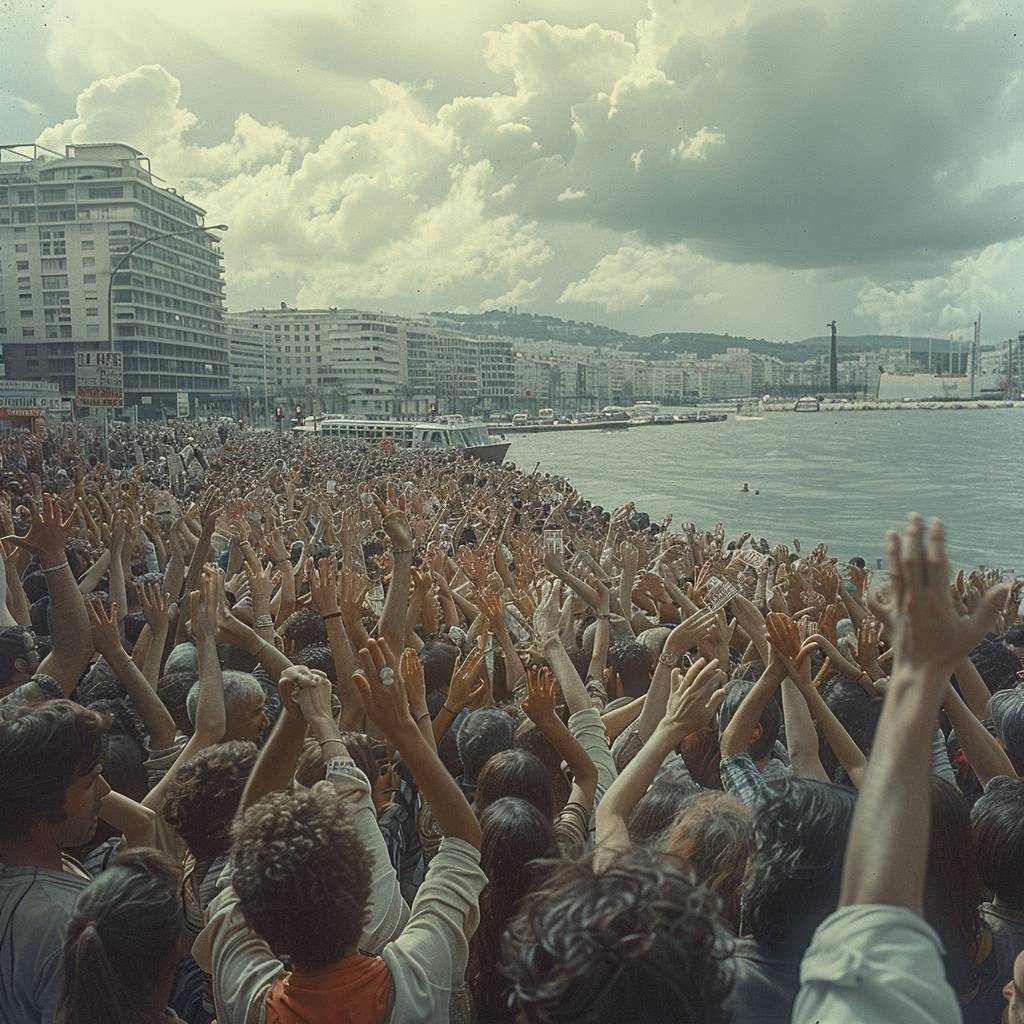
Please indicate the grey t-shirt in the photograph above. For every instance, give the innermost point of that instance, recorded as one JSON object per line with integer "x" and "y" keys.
{"x": 35, "y": 905}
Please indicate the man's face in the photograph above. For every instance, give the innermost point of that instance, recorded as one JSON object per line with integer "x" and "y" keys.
{"x": 81, "y": 808}
{"x": 246, "y": 719}
{"x": 1014, "y": 993}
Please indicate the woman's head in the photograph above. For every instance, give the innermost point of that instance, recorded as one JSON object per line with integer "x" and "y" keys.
{"x": 714, "y": 835}
{"x": 952, "y": 887}
{"x": 997, "y": 821}
{"x": 204, "y": 795}
{"x": 515, "y": 837}
{"x": 793, "y": 882}
{"x": 123, "y": 943}
{"x": 657, "y": 810}
{"x": 515, "y": 773}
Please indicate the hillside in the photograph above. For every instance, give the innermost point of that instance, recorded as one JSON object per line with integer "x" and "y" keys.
{"x": 540, "y": 327}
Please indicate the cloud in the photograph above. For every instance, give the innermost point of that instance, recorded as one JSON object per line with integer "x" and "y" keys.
{"x": 873, "y": 145}
{"x": 696, "y": 146}
{"x": 635, "y": 276}
{"x": 948, "y": 303}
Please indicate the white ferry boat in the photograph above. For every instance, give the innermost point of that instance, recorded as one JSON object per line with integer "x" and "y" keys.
{"x": 644, "y": 412}
{"x": 469, "y": 437}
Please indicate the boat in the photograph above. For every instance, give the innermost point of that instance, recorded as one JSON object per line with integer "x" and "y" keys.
{"x": 643, "y": 412}
{"x": 546, "y": 415}
{"x": 748, "y": 410}
{"x": 807, "y": 405}
{"x": 700, "y": 417}
{"x": 616, "y": 412}
{"x": 469, "y": 437}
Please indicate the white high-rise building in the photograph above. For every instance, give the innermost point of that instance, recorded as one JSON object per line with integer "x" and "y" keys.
{"x": 65, "y": 222}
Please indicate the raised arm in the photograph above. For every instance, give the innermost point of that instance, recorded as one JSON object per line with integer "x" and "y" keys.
{"x": 540, "y": 709}
{"x": 983, "y": 753}
{"x": 692, "y": 703}
{"x": 323, "y": 588}
{"x": 70, "y": 629}
{"x": 384, "y": 697}
{"x": 210, "y": 714}
{"x": 106, "y": 638}
{"x": 396, "y": 601}
{"x": 929, "y": 639}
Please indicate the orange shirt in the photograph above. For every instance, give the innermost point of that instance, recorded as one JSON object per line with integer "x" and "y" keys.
{"x": 356, "y": 990}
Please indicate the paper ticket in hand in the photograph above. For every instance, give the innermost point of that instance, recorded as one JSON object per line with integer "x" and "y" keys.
{"x": 717, "y": 593}
{"x": 755, "y": 559}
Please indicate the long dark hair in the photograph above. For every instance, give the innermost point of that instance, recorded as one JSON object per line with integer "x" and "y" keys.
{"x": 515, "y": 834}
{"x": 122, "y": 940}
{"x": 953, "y": 894}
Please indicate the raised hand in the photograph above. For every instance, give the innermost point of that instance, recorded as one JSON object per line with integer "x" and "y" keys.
{"x": 411, "y": 669}
{"x": 105, "y": 635}
{"x": 47, "y": 532}
{"x": 548, "y": 612}
{"x": 154, "y": 607}
{"x": 323, "y": 587}
{"x": 395, "y": 521}
{"x": 693, "y": 698}
{"x": 928, "y": 636}
{"x": 540, "y": 700}
{"x": 383, "y": 691}
{"x": 469, "y": 680}
{"x": 313, "y": 696}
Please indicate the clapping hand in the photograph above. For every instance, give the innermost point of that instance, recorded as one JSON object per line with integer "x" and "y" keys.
{"x": 694, "y": 698}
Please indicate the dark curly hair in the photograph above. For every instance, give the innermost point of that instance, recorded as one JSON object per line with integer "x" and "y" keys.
{"x": 203, "y": 796}
{"x": 304, "y": 628}
{"x": 793, "y": 882}
{"x": 633, "y": 663}
{"x": 636, "y": 941}
{"x": 302, "y": 876}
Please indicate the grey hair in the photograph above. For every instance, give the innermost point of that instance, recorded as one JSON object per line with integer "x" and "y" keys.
{"x": 238, "y": 686}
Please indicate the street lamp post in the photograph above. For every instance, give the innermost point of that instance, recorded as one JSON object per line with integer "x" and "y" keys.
{"x": 114, "y": 270}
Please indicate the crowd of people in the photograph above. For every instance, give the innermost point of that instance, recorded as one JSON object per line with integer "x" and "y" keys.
{"x": 296, "y": 731}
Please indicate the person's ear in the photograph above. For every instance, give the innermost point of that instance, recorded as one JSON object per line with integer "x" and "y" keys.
{"x": 756, "y": 734}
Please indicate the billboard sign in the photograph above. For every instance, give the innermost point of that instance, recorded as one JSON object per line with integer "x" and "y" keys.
{"x": 99, "y": 379}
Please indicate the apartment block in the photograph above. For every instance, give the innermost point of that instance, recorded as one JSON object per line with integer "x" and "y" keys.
{"x": 66, "y": 221}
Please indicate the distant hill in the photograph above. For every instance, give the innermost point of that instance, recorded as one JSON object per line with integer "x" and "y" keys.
{"x": 665, "y": 345}
{"x": 535, "y": 326}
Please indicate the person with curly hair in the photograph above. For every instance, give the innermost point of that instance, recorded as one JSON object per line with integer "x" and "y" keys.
{"x": 631, "y": 940}
{"x": 200, "y": 805}
{"x": 307, "y": 883}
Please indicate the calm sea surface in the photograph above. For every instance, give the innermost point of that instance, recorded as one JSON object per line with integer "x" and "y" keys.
{"x": 838, "y": 478}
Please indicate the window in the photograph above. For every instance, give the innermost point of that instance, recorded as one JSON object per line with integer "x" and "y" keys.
{"x": 25, "y": 196}
{"x": 21, "y": 247}
{"x": 28, "y": 332}
{"x": 92, "y": 312}
{"x": 88, "y": 243}
{"x": 89, "y": 278}
{"x": 89, "y": 261}
{"x": 27, "y": 314}
{"x": 22, "y": 264}
{"x": 109, "y": 192}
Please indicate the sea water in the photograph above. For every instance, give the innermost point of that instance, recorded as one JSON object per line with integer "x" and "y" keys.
{"x": 838, "y": 478}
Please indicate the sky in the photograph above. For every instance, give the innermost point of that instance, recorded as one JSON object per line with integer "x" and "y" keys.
{"x": 755, "y": 167}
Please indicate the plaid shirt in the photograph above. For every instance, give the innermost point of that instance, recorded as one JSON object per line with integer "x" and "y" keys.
{"x": 741, "y": 778}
